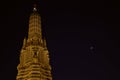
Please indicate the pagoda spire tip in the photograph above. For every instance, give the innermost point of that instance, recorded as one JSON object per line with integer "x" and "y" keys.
{"x": 35, "y": 7}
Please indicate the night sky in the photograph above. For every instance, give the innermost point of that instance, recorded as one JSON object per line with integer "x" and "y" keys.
{"x": 83, "y": 37}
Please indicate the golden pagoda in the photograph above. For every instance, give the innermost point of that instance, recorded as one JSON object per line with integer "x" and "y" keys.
{"x": 34, "y": 56}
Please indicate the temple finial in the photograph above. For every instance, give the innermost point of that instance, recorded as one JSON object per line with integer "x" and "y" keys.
{"x": 35, "y": 7}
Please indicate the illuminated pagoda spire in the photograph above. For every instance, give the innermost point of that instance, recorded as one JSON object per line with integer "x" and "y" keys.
{"x": 34, "y": 56}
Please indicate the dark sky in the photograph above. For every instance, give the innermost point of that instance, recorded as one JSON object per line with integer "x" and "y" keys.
{"x": 82, "y": 37}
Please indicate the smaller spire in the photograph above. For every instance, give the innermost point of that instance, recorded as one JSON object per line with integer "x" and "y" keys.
{"x": 35, "y": 7}
{"x": 24, "y": 42}
{"x": 44, "y": 43}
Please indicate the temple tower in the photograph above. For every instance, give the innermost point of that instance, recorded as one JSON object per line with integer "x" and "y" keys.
{"x": 34, "y": 56}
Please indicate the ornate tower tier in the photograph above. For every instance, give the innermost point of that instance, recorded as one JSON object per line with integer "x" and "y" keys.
{"x": 34, "y": 56}
{"x": 34, "y": 24}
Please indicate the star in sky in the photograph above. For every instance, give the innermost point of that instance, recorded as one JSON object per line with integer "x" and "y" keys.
{"x": 91, "y": 47}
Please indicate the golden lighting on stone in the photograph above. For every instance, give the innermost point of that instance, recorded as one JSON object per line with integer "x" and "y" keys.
{"x": 34, "y": 56}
